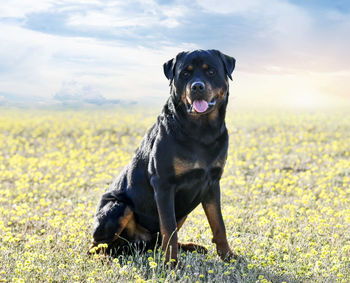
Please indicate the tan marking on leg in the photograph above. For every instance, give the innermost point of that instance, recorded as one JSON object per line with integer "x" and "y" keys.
{"x": 141, "y": 233}
{"x": 218, "y": 228}
{"x": 191, "y": 247}
{"x": 136, "y": 232}
{"x": 181, "y": 222}
{"x": 124, "y": 220}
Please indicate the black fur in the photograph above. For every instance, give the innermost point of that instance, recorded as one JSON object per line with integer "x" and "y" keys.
{"x": 179, "y": 162}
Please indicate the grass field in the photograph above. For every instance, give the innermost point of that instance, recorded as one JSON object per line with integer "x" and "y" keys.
{"x": 285, "y": 195}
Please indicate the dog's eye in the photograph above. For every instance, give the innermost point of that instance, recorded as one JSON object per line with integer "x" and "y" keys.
{"x": 186, "y": 74}
{"x": 211, "y": 72}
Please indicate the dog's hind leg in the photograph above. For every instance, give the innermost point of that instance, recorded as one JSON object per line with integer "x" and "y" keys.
{"x": 191, "y": 247}
{"x": 110, "y": 220}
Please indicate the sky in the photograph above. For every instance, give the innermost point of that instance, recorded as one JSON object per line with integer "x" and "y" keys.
{"x": 291, "y": 53}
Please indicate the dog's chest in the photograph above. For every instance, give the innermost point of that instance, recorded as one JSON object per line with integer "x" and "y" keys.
{"x": 182, "y": 165}
{"x": 193, "y": 178}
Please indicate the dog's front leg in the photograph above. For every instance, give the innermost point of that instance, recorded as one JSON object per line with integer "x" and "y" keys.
{"x": 212, "y": 208}
{"x": 164, "y": 197}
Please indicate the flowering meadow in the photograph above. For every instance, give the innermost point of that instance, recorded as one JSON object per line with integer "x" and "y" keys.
{"x": 285, "y": 198}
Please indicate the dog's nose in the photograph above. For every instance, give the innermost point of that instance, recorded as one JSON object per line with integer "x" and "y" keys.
{"x": 197, "y": 86}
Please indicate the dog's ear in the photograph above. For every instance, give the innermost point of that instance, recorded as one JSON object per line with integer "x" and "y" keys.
{"x": 229, "y": 63}
{"x": 169, "y": 67}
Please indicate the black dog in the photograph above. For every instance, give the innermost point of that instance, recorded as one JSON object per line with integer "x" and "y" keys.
{"x": 178, "y": 164}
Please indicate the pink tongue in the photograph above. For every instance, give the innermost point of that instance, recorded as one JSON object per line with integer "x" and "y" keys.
{"x": 200, "y": 105}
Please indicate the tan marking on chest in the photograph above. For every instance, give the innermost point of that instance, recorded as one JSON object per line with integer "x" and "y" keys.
{"x": 181, "y": 165}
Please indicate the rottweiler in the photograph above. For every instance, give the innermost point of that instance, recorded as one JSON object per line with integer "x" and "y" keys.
{"x": 178, "y": 164}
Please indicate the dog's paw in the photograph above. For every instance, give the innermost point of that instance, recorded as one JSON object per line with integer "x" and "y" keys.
{"x": 227, "y": 255}
{"x": 192, "y": 247}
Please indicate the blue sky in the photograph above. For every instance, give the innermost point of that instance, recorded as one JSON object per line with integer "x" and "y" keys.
{"x": 288, "y": 52}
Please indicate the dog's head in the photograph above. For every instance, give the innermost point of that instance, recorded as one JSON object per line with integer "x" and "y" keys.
{"x": 200, "y": 79}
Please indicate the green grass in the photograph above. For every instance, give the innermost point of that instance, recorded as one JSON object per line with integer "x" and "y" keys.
{"x": 285, "y": 198}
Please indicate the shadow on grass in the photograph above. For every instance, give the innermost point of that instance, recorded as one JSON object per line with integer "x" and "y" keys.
{"x": 194, "y": 267}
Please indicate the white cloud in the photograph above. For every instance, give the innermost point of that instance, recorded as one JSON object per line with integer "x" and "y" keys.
{"x": 103, "y": 20}
{"x": 73, "y": 92}
{"x": 124, "y": 14}
{"x": 278, "y": 29}
{"x": 36, "y": 64}
{"x": 286, "y": 37}
{"x": 229, "y": 6}
{"x": 83, "y": 13}
{"x": 279, "y": 40}
{"x": 20, "y": 8}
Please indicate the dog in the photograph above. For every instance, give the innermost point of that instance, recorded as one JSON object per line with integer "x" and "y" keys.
{"x": 178, "y": 164}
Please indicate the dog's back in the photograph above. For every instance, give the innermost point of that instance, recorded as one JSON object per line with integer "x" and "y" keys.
{"x": 179, "y": 162}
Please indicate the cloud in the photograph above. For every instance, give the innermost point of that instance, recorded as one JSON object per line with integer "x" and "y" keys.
{"x": 275, "y": 33}
{"x": 43, "y": 61}
{"x": 72, "y": 92}
{"x": 19, "y": 8}
{"x": 121, "y": 16}
{"x": 11, "y": 99}
{"x": 118, "y": 47}
{"x": 228, "y": 7}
